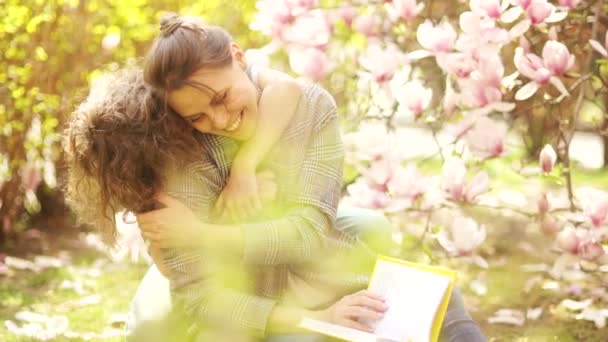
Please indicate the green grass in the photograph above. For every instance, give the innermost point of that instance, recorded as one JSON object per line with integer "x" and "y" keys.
{"x": 41, "y": 293}
{"x": 505, "y": 290}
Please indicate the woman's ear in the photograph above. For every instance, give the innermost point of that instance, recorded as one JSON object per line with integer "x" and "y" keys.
{"x": 238, "y": 55}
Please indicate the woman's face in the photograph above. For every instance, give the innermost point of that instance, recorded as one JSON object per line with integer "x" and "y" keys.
{"x": 225, "y": 103}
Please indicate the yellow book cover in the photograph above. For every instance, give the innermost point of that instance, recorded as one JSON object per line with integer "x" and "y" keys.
{"x": 417, "y": 296}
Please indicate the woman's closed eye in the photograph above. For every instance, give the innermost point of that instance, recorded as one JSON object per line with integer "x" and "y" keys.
{"x": 220, "y": 98}
{"x": 196, "y": 118}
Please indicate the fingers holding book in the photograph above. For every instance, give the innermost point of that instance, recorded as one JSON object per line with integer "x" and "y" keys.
{"x": 357, "y": 311}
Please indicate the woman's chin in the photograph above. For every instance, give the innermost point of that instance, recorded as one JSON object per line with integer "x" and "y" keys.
{"x": 246, "y": 133}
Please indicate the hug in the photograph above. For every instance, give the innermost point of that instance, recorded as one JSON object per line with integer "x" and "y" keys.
{"x": 234, "y": 172}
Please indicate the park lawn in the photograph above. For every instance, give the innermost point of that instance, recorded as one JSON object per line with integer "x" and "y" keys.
{"x": 115, "y": 283}
{"x": 40, "y": 292}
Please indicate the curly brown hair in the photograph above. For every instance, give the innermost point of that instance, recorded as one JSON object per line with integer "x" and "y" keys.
{"x": 118, "y": 142}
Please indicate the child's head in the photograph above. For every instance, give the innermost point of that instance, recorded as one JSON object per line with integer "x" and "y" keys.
{"x": 201, "y": 73}
{"x": 117, "y": 143}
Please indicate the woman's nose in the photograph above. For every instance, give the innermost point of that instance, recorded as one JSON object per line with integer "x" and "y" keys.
{"x": 220, "y": 118}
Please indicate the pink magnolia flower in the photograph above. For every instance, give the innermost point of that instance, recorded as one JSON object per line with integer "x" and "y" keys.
{"x": 480, "y": 35}
{"x": 540, "y": 71}
{"x": 310, "y": 62}
{"x": 436, "y": 39}
{"x": 489, "y": 8}
{"x": 547, "y": 158}
{"x": 539, "y": 11}
{"x": 272, "y": 17}
{"x": 594, "y": 203}
{"x": 366, "y": 24}
{"x": 361, "y": 194}
{"x": 590, "y": 250}
{"x": 557, "y": 58}
{"x": 414, "y": 97}
{"x": 458, "y": 64}
{"x": 524, "y": 43}
{"x": 568, "y": 240}
{"x": 570, "y": 4}
{"x": 406, "y": 186}
{"x": 531, "y": 66}
{"x": 543, "y": 204}
{"x": 381, "y": 63}
{"x": 490, "y": 71}
{"x": 453, "y": 178}
{"x": 348, "y": 14}
{"x": 580, "y": 242}
{"x": 522, "y": 3}
{"x": 483, "y": 87}
{"x": 603, "y": 50}
{"x": 455, "y": 185}
{"x": 371, "y": 142}
{"x": 381, "y": 171}
{"x": 462, "y": 237}
{"x": 487, "y": 138}
{"x": 451, "y": 99}
{"x": 476, "y": 94}
{"x": 311, "y": 29}
{"x": 300, "y": 6}
{"x": 404, "y": 9}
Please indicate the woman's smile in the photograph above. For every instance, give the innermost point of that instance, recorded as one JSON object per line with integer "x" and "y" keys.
{"x": 236, "y": 123}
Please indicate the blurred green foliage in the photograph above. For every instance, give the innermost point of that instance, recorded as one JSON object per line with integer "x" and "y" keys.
{"x": 50, "y": 51}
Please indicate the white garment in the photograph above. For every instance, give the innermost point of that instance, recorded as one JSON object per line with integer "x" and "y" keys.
{"x": 152, "y": 301}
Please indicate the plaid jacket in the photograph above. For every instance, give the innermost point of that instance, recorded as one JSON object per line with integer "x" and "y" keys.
{"x": 307, "y": 162}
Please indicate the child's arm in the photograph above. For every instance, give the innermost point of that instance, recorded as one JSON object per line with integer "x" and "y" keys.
{"x": 277, "y": 106}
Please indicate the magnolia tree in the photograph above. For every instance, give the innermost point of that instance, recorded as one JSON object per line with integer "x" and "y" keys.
{"x": 486, "y": 78}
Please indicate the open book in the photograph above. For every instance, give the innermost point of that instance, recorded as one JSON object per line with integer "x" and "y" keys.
{"x": 417, "y": 296}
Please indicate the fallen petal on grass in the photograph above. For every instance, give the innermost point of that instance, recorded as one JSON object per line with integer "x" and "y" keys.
{"x": 508, "y": 316}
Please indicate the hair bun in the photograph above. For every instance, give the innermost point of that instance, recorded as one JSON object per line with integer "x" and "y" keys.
{"x": 169, "y": 22}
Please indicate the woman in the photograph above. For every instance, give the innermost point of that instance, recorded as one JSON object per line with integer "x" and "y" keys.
{"x": 191, "y": 63}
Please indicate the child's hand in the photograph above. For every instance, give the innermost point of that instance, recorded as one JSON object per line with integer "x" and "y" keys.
{"x": 239, "y": 198}
{"x": 267, "y": 187}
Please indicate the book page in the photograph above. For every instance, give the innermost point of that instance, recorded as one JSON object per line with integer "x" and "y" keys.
{"x": 413, "y": 297}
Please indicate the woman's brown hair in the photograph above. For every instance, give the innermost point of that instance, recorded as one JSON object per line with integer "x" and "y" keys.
{"x": 118, "y": 143}
{"x": 185, "y": 45}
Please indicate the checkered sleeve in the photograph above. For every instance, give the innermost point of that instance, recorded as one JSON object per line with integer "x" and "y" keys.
{"x": 301, "y": 235}
{"x": 216, "y": 293}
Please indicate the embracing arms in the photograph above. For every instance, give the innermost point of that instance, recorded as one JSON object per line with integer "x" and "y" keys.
{"x": 277, "y": 105}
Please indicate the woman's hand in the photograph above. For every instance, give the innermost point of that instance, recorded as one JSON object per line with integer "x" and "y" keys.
{"x": 356, "y": 310}
{"x": 174, "y": 225}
